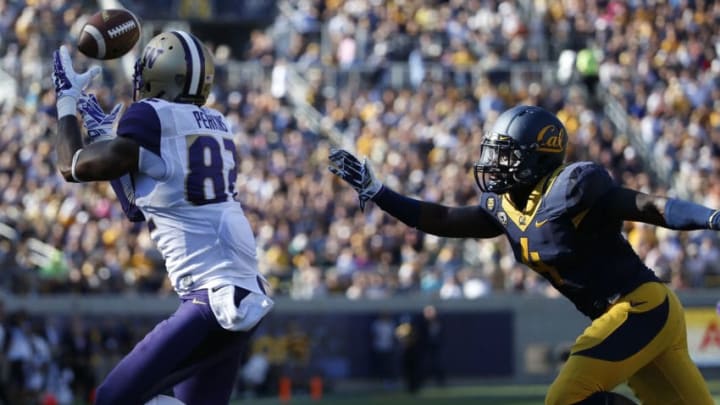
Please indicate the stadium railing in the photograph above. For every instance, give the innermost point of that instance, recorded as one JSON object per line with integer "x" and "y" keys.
{"x": 620, "y": 118}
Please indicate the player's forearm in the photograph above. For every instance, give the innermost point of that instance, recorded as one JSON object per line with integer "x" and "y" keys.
{"x": 406, "y": 209}
{"x": 676, "y": 214}
{"x": 632, "y": 205}
{"x": 422, "y": 215}
{"x": 69, "y": 141}
{"x": 436, "y": 219}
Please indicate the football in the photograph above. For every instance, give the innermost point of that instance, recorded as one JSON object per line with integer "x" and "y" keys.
{"x": 109, "y": 34}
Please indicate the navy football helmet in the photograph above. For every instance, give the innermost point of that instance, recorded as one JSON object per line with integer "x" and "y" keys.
{"x": 525, "y": 144}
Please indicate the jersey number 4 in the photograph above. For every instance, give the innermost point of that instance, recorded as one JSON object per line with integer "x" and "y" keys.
{"x": 532, "y": 260}
{"x": 208, "y": 179}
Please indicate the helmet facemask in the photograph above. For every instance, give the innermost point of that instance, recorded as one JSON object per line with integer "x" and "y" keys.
{"x": 498, "y": 161}
{"x": 503, "y": 164}
{"x": 137, "y": 78}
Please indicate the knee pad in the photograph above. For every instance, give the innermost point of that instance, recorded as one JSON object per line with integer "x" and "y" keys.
{"x": 164, "y": 400}
{"x": 606, "y": 398}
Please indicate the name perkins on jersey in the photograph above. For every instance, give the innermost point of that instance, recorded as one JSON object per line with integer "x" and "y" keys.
{"x": 209, "y": 121}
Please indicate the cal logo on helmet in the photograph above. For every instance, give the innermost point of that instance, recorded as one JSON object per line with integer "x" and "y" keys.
{"x": 551, "y": 139}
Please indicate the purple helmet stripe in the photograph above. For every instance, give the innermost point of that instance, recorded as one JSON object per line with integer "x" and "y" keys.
{"x": 202, "y": 63}
{"x": 188, "y": 62}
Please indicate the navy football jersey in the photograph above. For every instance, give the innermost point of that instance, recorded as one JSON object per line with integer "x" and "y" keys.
{"x": 557, "y": 235}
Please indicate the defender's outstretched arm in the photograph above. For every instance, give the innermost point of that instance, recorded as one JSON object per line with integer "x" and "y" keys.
{"x": 436, "y": 219}
{"x": 672, "y": 213}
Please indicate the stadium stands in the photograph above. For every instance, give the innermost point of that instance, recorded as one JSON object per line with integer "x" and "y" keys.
{"x": 412, "y": 85}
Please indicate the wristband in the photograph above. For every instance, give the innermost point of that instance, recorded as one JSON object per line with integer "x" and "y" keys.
{"x": 712, "y": 221}
{"x": 66, "y": 105}
{"x": 73, "y": 165}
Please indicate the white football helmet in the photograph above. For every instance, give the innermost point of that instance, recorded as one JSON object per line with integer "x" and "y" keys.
{"x": 174, "y": 66}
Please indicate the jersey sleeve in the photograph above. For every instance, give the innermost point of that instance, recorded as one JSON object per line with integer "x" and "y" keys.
{"x": 586, "y": 183}
{"x": 141, "y": 123}
{"x": 124, "y": 189}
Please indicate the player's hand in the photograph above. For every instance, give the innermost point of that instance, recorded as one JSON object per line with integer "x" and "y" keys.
{"x": 69, "y": 83}
{"x": 99, "y": 126}
{"x": 356, "y": 173}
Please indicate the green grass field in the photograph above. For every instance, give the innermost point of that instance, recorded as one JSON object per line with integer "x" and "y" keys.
{"x": 456, "y": 395}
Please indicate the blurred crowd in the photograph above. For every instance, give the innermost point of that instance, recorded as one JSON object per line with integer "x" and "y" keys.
{"x": 60, "y": 360}
{"x": 412, "y": 85}
{"x": 460, "y": 64}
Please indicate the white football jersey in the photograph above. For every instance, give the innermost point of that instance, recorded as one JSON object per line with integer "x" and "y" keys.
{"x": 184, "y": 189}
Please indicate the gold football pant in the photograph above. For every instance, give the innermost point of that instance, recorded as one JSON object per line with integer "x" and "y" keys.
{"x": 641, "y": 340}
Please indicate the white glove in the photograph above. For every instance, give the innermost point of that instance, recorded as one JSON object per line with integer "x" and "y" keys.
{"x": 99, "y": 126}
{"x": 69, "y": 84}
{"x": 358, "y": 174}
